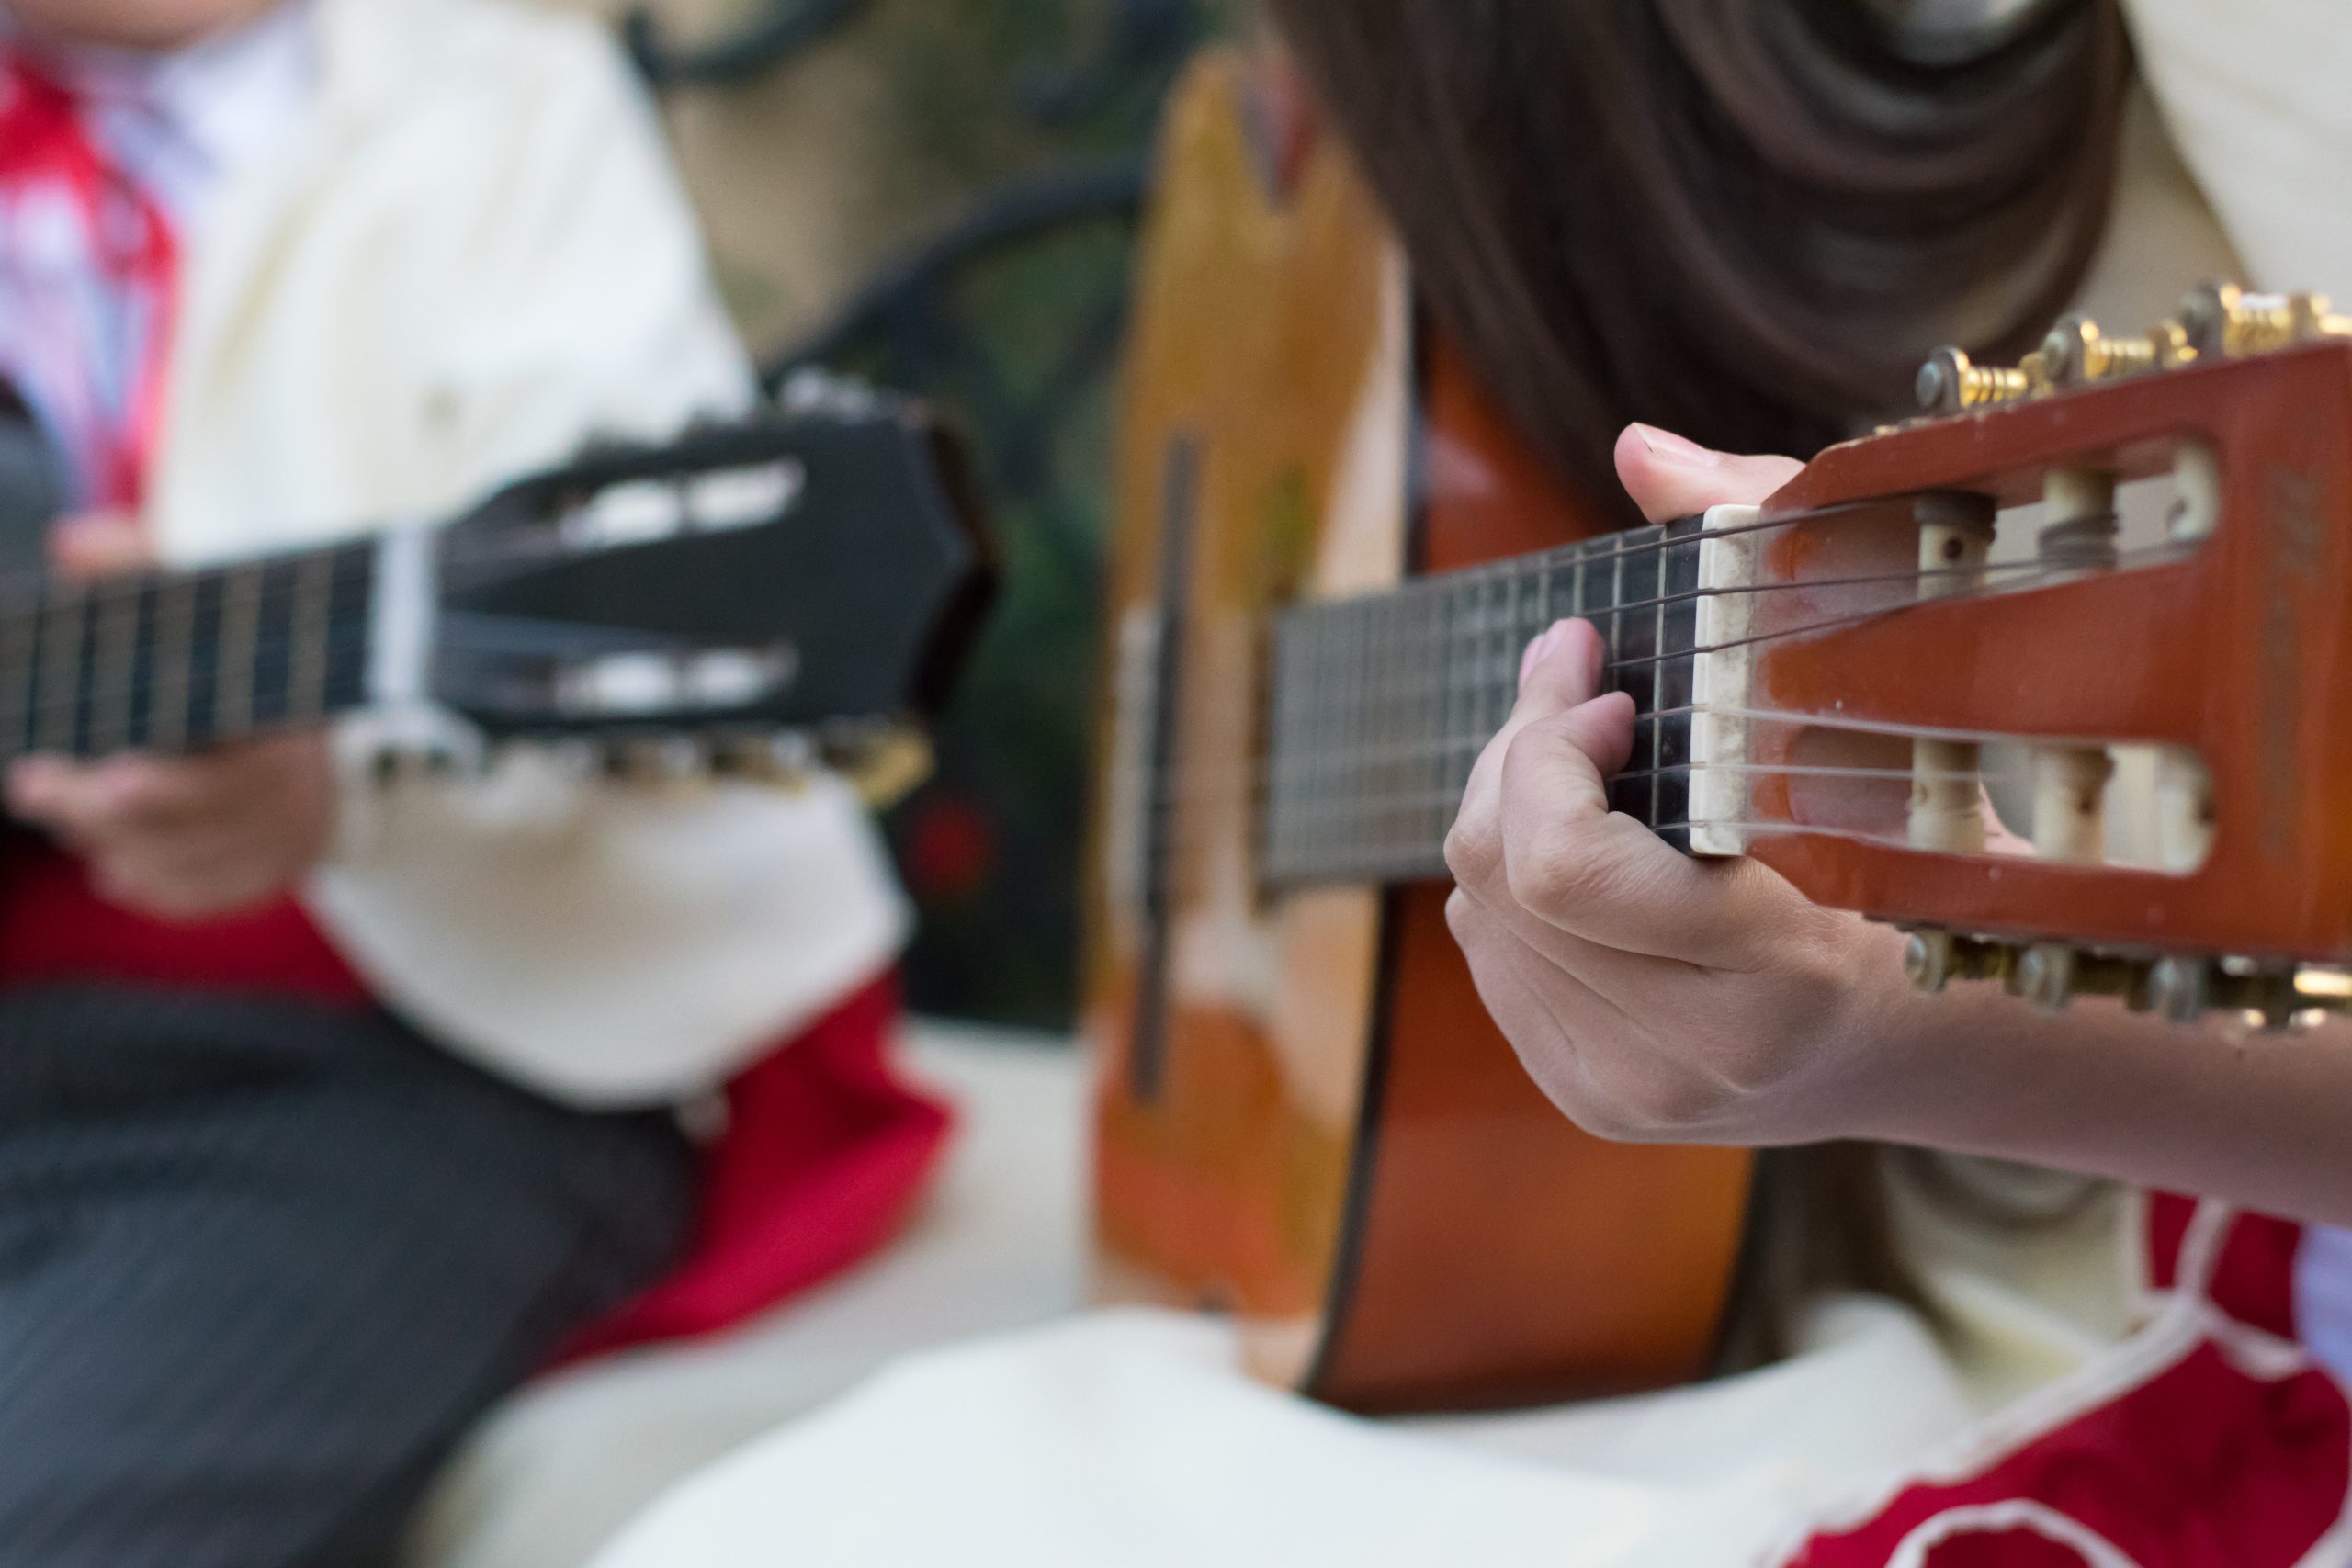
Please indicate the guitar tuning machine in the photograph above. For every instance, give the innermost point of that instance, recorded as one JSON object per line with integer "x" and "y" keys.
{"x": 2218, "y": 321}
{"x": 391, "y": 766}
{"x": 780, "y": 761}
{"x": 885, "y": 762}
{"x": 2222, "y": 321}
{"x": 2182, "y": 987}
{"x": 657, "y": 762}
{"x": 1950, "y": 382}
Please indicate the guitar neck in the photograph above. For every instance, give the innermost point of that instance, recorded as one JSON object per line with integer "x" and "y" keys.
{"x": 1381, "y": 704}
{"x": 176, "y": 661}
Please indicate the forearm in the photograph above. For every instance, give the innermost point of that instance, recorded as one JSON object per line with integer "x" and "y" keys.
{"x": 2262, "y": 1121}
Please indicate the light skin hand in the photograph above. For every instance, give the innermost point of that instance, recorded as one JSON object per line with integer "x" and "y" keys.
{"x": 1651, "y": 995}
{"x": 179, "y": 838}
{"x": 1658, "y": 997}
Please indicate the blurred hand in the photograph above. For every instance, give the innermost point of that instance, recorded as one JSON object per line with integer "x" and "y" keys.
{"x": 181, "y": 837}
{"x": 1652, "y": 996}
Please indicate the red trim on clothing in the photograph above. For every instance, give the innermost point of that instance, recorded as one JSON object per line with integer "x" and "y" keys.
{"x": 2211, "y": 1460}
{"x": 2254, "y": 1280}
{"x": 2203, "y": 1466}
{"x": 826, "y": 1150}
{"x": 54, "y": 927}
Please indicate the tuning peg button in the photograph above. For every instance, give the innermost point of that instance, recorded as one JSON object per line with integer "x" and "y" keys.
{"x": 1950, "y": 383}
{"x": 655, "y": 761}
{"x": 781, "y": 761}
{"x": 2045, "y": 976}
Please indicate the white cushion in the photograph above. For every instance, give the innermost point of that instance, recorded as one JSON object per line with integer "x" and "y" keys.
{"x": 553, "y": 1474}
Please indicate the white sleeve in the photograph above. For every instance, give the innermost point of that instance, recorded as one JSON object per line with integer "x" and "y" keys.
{"x": 2253, "y": 93}
{"x": 605, "y": 945}
{"x": 583, "y": 303}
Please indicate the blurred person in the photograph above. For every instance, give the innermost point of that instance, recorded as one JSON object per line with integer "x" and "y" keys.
{"x": 1747, "y": 223}
{"x": 330, "y": 1112}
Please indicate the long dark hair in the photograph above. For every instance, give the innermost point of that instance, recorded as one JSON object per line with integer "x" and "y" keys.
{"x": 1748, "y": 220}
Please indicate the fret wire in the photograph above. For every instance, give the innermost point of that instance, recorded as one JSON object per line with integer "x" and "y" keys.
{"x": 62, "y": 618}
{"x": 169, "y": 691}
{"x": 1440, "y": 696}
{"x": 19, "y": 647}
{"x": 1441, "y": 759}
{"x": 1497, "y": 643}
{"x": 1657, "y": 678}
{"x": 116, "y": 669}
{"x": 306, "y": 693}
{"x": 233, "y": 676}
{"x": 1616, "y": 598}
{"x": 1543, "y": 610}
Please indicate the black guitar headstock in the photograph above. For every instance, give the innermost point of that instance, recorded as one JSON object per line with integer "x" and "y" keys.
{"x": 821, "y": 571}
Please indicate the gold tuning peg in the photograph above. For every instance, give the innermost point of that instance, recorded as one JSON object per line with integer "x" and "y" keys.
{"x": 884, "y": 764}
{"x": 2222, "y": 321}
{"x": 782, "y": 761}
{"x": 2076, "y": 352}
{"x": 1949, "y": 383}
{"x": 655, "y": 761}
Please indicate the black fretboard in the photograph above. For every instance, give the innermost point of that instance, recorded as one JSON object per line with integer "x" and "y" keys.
{"x": 171, "y": 662}
{"x": 1381, "y": 704}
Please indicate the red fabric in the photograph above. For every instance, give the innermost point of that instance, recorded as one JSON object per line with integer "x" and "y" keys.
{"x": 2202, "y": 1467}
{"x": 2013, "y": 1546}
{"x": 826, "y": 1150}
{"x": 53, "y": 925}
{"x": 2253, "y": 1279}
{"x": 2213, "y": 1461}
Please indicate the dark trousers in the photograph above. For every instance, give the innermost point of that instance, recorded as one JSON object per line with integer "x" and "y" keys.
{"x": 262, "y": 1264}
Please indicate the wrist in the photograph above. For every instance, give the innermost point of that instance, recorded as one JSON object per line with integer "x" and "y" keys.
{"x": 1906, "y": 1049}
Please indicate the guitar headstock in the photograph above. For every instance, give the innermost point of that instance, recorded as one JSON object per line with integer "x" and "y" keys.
{"x": 2057, "y": 675}
{"x": 751, "y": 599}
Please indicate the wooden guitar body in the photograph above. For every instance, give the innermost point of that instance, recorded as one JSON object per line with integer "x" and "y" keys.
{"x": 1304, "y": 1117}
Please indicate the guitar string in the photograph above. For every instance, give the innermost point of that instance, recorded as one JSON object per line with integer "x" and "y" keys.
{"x": 1272, "y": 770}
{"x": 354, "y": 559}
{"x": 1367, "y": 825}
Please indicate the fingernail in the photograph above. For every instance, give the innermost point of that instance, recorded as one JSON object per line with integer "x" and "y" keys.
{"x": 1672, "y": 448}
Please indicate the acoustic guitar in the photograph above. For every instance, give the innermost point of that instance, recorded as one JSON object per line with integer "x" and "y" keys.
{"x": 760, "y": 599}
{"x": 2098, "y": 589}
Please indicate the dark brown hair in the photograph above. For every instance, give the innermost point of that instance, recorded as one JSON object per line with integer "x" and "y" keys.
{"x": 1746, "y": 220}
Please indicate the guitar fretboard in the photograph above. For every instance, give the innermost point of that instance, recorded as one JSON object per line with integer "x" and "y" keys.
{"x": 172, "y": 662}
{"x": 1381, "y": 704}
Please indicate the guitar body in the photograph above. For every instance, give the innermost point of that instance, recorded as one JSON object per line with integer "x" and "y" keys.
{"x": 1305, "y": 1116}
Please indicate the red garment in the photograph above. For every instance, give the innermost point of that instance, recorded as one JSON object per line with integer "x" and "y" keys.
{"x": 2211, "y": 1441}
{"x": 825, "y": 1149}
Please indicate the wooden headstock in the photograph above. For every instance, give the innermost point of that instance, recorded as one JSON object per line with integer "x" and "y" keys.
{"x": 1960, "y": 607}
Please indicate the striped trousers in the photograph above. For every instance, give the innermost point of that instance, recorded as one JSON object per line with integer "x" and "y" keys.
{"x": 262, "y": 1263}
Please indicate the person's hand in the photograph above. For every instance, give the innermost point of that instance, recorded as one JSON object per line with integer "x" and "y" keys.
{"x": 181, "y": 837}
{"x": 1652, "y": 996}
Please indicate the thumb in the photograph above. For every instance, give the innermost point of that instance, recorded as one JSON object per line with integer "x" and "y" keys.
{"x": 1669, "y": 477}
